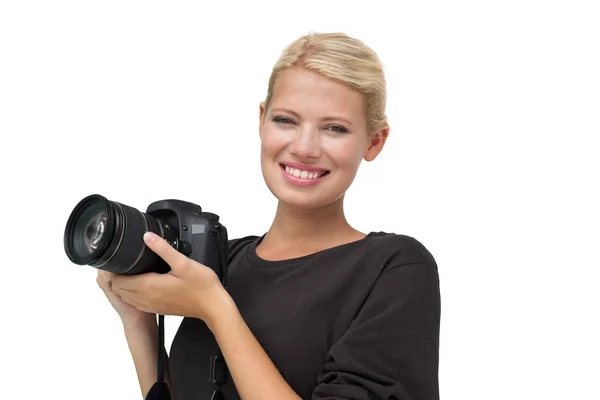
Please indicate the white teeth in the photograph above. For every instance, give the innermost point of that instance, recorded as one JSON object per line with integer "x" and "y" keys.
{"x": 301, "y": 174}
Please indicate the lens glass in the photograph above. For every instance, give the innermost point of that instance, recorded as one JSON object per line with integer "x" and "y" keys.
{"x": 90, "y": 228}
{"x": 94, "y": 232}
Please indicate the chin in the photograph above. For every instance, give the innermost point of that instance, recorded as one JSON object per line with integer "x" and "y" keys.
{"x": 305, "y": 202}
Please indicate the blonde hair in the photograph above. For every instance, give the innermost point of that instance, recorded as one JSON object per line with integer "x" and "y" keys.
{"x": 342, "y": 58}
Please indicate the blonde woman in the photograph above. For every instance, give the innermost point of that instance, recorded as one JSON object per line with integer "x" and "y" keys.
{"x": 314, "y": 309}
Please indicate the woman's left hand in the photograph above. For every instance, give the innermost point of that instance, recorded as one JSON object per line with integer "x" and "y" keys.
{"x": 190, "y": 289}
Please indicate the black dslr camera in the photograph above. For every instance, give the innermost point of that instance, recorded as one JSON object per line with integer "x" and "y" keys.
{"x": 109, "y": 236}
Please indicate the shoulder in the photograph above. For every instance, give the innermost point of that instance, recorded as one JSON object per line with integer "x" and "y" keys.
{"x": 407, "y": 283}
{"x": 394, "y": 250}
{"x": 237, "y": 244}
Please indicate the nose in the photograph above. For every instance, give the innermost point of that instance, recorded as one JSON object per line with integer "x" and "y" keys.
{"x": 306, "y": 144}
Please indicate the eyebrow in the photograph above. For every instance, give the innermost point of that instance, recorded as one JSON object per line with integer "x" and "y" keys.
{"x": 296, "y": 115}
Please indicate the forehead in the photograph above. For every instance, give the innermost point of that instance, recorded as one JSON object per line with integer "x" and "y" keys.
{"x": 309, "y": 93}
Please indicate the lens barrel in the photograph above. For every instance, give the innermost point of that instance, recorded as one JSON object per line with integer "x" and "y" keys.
{"x": 109, "y": 236}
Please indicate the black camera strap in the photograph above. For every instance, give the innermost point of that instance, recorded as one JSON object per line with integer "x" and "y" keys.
{"x": 218, "y": 369}
{"x": 160, "y": 390}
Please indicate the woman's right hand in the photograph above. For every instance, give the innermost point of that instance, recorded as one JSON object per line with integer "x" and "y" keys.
{"x": 128, "y": 313}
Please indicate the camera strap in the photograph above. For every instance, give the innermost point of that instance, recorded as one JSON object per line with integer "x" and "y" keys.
{"x": 218, "y": 371}
{"x": 160, "y": 390}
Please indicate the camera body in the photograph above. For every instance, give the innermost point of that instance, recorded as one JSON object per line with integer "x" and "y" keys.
{"x": 108, "y": 235}
{"x": 199, "y": 235}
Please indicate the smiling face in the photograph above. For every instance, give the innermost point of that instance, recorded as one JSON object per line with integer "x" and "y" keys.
{"x": 314, "y": 138}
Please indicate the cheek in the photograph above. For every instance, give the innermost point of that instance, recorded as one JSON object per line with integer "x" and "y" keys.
{"x": 272, "y": 143}
{"x": 346, "y": 154}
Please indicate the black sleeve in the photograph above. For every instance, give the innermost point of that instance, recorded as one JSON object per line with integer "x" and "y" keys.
{"x": 391, "y": 349}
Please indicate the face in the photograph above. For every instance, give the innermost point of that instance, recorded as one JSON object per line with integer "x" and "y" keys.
{"x": 314, "y": 139}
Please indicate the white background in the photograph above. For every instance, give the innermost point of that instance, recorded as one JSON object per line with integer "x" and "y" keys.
{"x": 492, "y": 163}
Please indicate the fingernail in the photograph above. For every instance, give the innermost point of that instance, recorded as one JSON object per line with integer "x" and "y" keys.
{"x": 149, "y": 237}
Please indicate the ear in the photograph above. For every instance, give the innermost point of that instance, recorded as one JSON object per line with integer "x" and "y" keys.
{"x": 376, "y": 143}
{"x": 261, "y": 118}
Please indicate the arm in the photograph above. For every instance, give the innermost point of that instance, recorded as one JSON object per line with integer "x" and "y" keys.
{"x": 142, "y": 339}
{"x": 391, "y": 349}
{"x": 254, "y": 374}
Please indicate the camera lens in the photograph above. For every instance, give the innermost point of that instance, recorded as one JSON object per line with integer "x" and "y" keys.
{"x": 108, "y": 235}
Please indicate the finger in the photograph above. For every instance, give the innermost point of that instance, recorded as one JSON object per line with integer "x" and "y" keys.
{"x": 128, "y": 297}
{"x": 145, "y": 283}
{"x": 129, "y": 282}
{"x": 103, "y": 279}
{"x": 175, "y": 259}
{"x": 120, "y": 289}
{"x": 135, "y": 299}
{"x": 104, "y": 275}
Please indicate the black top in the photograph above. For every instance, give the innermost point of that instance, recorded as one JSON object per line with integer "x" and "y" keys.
{"x": 357, "y": 321}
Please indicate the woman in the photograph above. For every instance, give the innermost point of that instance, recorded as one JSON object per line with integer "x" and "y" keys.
{"x": 314, "y": 309}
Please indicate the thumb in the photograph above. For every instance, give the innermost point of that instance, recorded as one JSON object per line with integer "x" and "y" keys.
{"x": 164, "y": 250}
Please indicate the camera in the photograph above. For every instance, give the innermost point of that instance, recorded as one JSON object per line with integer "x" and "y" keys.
{"x": 108, "y": 235}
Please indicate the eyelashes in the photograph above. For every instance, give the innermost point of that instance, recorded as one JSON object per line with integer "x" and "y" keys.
{"x": 287, "y": 121}
{"x": 338, "y": 128}
{"x": 282, "y": 120}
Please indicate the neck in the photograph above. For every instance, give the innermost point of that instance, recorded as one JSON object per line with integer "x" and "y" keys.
{"x": 296, "y": 232}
